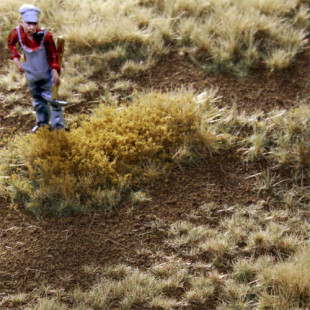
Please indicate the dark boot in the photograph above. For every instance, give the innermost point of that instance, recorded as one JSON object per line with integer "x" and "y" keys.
{"x": 59, "y": 127}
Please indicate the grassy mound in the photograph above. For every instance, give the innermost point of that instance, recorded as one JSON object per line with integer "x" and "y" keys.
{"x": 113, "y": 149}
{"x": 117, "y": 149}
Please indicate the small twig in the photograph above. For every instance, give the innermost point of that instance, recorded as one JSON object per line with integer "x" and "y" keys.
{"x": 253, "y": 176}
{"x": 222, "y": 169}
{"x": 17, "y": 165}
{"x": 92, "y": 221}
{"x": 115, "y": 242}
{"x": 36, "y": 270}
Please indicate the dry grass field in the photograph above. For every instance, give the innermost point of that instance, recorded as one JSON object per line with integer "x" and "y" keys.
{"x": 184, "y": 181}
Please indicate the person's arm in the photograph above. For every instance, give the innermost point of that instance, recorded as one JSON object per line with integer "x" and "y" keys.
{"x": 50, "y": 47}
{"x": 18, "y": 64}
{"x": 12, "y": 41}
{"x": 56, "y": 76}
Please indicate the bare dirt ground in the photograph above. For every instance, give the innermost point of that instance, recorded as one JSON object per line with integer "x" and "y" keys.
{"x": 54, "y": 250}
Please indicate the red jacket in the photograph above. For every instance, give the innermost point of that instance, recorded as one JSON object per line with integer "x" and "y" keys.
{"x": 34, "y": 44}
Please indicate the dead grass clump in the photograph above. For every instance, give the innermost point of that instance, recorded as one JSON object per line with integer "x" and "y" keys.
{"x": 287, "y": 284}
{"x": 125, "y": 287}
{"x": 282, "y": 137}
{"x": 249, "y": 230}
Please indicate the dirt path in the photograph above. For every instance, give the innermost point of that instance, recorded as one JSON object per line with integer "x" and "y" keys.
{"x": 56, "y": 249}
{"x": 261, "y": 90}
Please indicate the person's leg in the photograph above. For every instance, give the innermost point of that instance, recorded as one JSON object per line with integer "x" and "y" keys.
{"x": 57, "y": 119}
{"x": 40, "y": 105}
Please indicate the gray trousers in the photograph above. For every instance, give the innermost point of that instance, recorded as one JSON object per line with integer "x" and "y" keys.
{"x": 44, "y": 112}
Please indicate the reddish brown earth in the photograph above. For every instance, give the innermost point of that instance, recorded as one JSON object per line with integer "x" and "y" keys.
{"x": 54, "y": 250}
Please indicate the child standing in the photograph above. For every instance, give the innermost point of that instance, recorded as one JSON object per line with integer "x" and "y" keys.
{"x": 40, "y": 67}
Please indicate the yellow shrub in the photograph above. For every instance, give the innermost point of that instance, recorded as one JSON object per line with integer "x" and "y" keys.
{"x": 114, "y": 146}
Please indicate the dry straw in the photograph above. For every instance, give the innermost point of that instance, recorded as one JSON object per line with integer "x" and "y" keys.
{"x": 218, "y": 35}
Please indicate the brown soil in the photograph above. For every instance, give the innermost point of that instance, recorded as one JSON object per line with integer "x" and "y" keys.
{"x": 55, "y": 250}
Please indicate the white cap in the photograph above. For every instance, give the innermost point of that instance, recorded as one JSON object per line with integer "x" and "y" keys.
{"x": 30, "y": 13}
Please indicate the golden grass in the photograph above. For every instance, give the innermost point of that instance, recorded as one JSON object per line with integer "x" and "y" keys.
{"x": 11, "y": 79}
{"x": 139, "y": 197}
{"x": 17, "y": 109}
{"x": 110, "y": 151}
{"x": 286, "y": 284}
{"x": 220, "y": 35}
{"x": 282, "y": 137}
